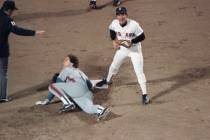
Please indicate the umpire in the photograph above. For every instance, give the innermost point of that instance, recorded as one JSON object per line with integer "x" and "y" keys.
{"x": 7, "y": 25}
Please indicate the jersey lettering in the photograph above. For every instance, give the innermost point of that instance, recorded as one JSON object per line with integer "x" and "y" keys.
{"x": 118, "y": 33}
{"x": 131, "y": 35}
{"x": 126, "y": 35}
{"x": 68, "y": 79}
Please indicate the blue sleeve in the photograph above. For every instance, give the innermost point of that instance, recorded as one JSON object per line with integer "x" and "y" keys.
{"x": 58, "y": 80}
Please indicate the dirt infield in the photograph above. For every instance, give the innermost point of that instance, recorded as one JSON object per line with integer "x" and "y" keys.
{"x": 176, "y": 63}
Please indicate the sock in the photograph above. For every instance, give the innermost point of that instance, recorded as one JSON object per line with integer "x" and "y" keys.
{"x": 50, "y": 96}
{"x": 143, "y": 88}
{"x": 64, "y": 101}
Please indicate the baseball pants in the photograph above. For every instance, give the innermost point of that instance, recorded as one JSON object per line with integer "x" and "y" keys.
{"x": 78, "y": 93}
{"x": 3, "y": 77}
{"x": 137, "y": 61}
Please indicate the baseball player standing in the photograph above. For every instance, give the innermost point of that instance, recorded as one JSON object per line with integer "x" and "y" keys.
{"x": 73, "y": 83}
{"x": 7, "y": 25}
{"x": 127, "y": 35}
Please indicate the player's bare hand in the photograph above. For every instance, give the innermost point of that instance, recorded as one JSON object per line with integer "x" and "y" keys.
{"x": 39, "y": 32}
{"x": 116, "y": 44}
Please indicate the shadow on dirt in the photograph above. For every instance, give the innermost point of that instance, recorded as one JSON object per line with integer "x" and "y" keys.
{"x": 65, "y": 13}
{"x": 34, "y": 115}
{"x": 29, "y": 116}
{"x": 110, "y": 3}
{"x": 102, "y": 96}
{"x": 31, "y": 90}
{"x": 184, "y": 78}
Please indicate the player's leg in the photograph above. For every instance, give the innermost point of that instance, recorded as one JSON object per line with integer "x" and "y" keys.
{"x": 50, "y": 96}
{"x": 86, "y": 104}
{"x": 92, "y": 4}
{"x": 116, "y": 2}
{"x": 3, "y": 79}
{"x": 60, "y": 90}
{"x": 137, "y": 61}
{"x": 118, "y": 59}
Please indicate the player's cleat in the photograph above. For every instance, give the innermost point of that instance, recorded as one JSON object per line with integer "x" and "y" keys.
{"x": 42, "y": 102}
{"x": 103, "y": 82}
{"x": 116, "y": 3}
{"x": 145, "y": 99}
{"x": 5, "y": 100}
{"x": 92, "y": 4}
{"x": 103, "y": 115}
{"x": 67, "y": 108}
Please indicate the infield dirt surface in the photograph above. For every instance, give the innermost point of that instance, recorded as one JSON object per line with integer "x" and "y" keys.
{"x": 176, "y": 64}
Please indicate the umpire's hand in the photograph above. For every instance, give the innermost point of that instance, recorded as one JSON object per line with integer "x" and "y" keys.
{"x": 39, "y": 32}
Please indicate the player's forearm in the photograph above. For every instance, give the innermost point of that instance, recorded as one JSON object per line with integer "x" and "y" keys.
{"x": 138, "y": 39}
{"x": 112, "y": 34}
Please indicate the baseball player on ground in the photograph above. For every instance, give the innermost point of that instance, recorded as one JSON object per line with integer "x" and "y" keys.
{"x": 127, "y": 35}
{"x": 71, "y": 88}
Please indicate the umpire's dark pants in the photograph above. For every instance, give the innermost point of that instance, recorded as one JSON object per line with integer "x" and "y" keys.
{"x": 3, "y": 77}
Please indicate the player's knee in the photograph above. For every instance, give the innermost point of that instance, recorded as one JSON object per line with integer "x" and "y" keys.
{"x": 49, "y": 87}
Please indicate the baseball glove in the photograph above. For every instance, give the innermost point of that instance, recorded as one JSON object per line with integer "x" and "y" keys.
{"x": 125, "y": 43}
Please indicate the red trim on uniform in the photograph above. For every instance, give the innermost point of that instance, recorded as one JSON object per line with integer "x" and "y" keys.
{"x": 56, "y": 90}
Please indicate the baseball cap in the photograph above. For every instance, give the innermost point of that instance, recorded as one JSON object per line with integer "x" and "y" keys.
{"x": 121, "y": 10}
{"x": 9, "y": 5}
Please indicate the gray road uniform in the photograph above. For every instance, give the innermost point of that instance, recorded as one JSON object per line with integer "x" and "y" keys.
{"x": 74, "y": 86}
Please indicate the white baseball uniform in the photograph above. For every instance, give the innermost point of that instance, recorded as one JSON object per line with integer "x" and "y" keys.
{"x": 128, "y": 32}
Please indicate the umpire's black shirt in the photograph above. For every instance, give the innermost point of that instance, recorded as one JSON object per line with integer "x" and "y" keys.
{"x": 7, "y": 25}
